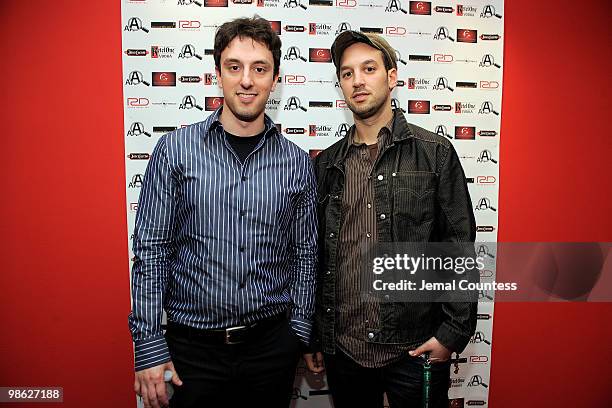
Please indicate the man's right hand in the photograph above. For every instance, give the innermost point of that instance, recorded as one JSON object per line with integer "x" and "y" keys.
{"x": 149, "y": 384}
{"x": 314, "y": 362}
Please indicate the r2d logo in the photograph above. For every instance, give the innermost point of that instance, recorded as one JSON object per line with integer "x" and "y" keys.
{"x": 487, "y": 108}
{"x": 441, "y": 84}
{"x": 488, "y": 11}
{"x": 442, "y": 33}
{"x": 343, "y": 130}
{"x": 189, "y": 102}
{"x": 484, "y": 204}
{"x": 343, "y": 27}
{"x": 394, "y": 6}
{"x": 346, "y": 3}
{"x": 485, "y": 157}
{"x": 135, "y": 78}
{"x": 137, "y": 102}
{"x": 476, "y": 381}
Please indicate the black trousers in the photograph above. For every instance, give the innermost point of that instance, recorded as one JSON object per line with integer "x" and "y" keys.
{"x": 352, "y": 385}
{"x": 258, "y": 373}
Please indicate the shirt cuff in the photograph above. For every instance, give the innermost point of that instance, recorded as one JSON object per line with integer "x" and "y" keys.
{"x": 150, "y": 353}
{"x": 302, "y": 328}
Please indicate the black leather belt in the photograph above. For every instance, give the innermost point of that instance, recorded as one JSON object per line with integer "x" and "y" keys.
{"x": 229, "y": 335}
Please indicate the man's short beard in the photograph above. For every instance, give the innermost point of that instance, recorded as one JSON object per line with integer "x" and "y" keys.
{"x": 369, "y": 111}
{"x": 248, "y": 116}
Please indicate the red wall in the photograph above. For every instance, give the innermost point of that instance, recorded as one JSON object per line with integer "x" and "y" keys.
{"x": 64, "y": 277}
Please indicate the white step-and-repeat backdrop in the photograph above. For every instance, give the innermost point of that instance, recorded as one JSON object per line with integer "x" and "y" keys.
{"x": 450, "y": 71}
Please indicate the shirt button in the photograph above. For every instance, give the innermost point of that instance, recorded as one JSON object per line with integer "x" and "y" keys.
{"x": 370, "y": 335}
{"x": 244, "y": 178}
{"x": 328, "y": 273}
{"x": 368, "y": 235}
{"x": 242, "y": 285}
{"x": 331, "y": 234}
{"x": 328, "y": 310}
{"x": 335, "y": 197}
{"x": 242, "y": 213}
{"x": 383, "y": 216}
{"x": 369, "y": 205}
{"x": 394, "y": 174}
{"x": 242, "y": 249}
{"x": 380, "y": 177}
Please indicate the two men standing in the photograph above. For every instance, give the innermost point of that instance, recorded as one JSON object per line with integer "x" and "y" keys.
{"x": 226, "y": 242}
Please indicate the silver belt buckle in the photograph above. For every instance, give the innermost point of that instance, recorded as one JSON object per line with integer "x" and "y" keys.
{"x": 228, "y": 331}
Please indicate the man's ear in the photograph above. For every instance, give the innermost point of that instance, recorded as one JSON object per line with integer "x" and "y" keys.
{"x": 392, "y": 78}
{"x": 275, "y": 81}
{"x": 218, "y": 73}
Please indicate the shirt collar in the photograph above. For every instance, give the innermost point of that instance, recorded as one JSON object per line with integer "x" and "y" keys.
{"x": 270, "y": 128}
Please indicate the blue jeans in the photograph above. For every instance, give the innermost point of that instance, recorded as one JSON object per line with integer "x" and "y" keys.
{"x": 352, "y": 385}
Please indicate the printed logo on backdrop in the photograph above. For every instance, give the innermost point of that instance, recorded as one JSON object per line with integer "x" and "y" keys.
{"x": 346, "y": 4}
{"x": 486, "y": 156}
{"x": 294, "y": 28}
{"x": 487, "y": 108}
{"x": 343, "y": 130}
{"x": 190, "y": 3}
{"x": 466, "y": 10}
{"x": 319, "y": 55}
{"x": 488, "y": 61}
{"x": 488, "y": 11}
{"x": 188, "y": 51}
{"x": 319, "y": 29}
{"x": 132, "y": 52}
{"x": 134, "y": 24}
{"x": 441, "y": 130}
{"x": 395, "y": 104}
{"x": 136, "y": 78}
{"x": 420, "y": 8}
{"x": 444, "y": 9}
{"x": 294, "y": 4}
{"x": 137, "y": 129}
{"x": 344, "y": 26}
{"x": 442, "y": 33}
{"x": 189, "y": 102}
{"x": 293, "y": 53}
{"x": 294, "y": 104}
{"x": 276, "y": 26}
{"x": 162, "y": 52}
{"x": 394, "y": 6}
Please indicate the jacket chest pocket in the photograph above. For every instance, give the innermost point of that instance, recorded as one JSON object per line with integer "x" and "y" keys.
{"x": 414, "y": 198}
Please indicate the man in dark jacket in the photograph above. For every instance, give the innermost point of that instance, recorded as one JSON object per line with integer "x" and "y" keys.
{"x": 387, "y": 181}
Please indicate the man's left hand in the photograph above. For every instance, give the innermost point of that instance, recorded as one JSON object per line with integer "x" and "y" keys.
{"x": 437, "y": 352}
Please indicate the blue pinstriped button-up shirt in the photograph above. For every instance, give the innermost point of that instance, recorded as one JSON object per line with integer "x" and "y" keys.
{"x": 218, "y": 243}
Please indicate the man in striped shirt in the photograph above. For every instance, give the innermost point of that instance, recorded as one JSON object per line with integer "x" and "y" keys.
{"x": 225, "y": 243}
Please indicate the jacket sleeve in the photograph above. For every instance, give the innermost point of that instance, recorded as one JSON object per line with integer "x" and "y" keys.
{"x": 455, "y": 223}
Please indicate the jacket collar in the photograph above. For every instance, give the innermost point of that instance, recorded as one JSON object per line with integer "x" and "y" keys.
{"x": 401, "y": 131}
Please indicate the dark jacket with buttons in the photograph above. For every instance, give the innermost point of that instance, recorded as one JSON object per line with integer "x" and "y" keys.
{"x": 420, "y": 195}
